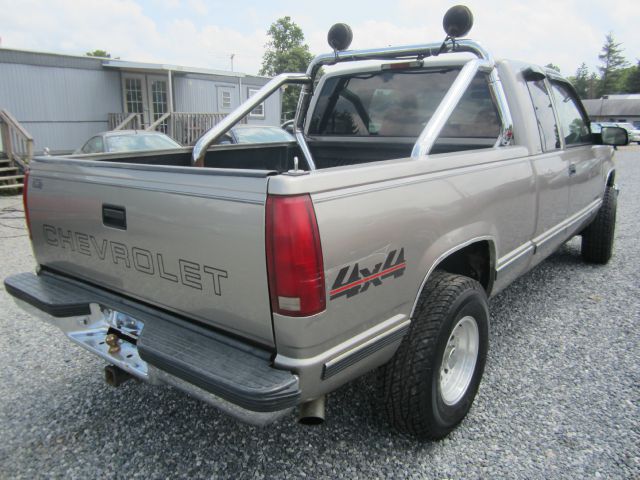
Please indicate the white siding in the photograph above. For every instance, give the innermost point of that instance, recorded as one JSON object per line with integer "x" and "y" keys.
{"x": 60, "y": 107}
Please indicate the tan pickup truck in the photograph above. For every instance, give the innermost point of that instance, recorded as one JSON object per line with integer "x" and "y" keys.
{"x": 262, "y": 277}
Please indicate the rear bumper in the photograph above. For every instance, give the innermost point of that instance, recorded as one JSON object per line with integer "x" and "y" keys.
{"x": 234, "y": 376}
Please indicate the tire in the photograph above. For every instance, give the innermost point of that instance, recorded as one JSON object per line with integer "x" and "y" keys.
{"x": 597, "y": 238}
{"x": 414, "y": 398}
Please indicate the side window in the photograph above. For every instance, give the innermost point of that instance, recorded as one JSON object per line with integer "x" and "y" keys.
{"x": 574, "y": 124}
{"x": 476, "y": 115}
{"x": 94, "y": 145}
{"x": 544, "y": 113}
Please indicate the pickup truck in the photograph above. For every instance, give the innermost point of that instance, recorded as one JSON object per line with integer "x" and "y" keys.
{"x": 261, "y": 277}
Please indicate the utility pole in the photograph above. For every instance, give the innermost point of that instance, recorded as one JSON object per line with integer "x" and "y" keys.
{"x": 231, "y": 57}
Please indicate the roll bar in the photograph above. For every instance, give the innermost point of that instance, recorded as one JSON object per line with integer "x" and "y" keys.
{"x": 200, "y": 148}
{"x": 427, "y": 138}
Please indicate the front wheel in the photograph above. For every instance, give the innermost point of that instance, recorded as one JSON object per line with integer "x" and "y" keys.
{"x": 597, "y": 238}
{"x": 428, "y": 387}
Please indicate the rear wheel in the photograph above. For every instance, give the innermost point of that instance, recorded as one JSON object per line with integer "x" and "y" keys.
{"x": 597, "y": 238}
{"x": 429, "y": 385}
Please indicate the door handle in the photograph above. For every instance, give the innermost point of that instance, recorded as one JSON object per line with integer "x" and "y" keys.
{"x": 114, "y": 216}
{"x": 572, "y": 169}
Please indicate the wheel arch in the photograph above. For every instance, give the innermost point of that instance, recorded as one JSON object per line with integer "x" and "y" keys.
{"x": 611, "y": 177}
{"x": 478, "y": 252}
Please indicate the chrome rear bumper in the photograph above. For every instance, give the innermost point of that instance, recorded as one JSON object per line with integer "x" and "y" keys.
{"x": 155, "y": 347}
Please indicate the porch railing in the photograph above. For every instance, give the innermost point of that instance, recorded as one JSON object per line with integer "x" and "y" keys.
{"x": 125, "y": 121}
{"x": 161, "y": 124}
{"x": 187, "y": 128}
{"x": 17, "y": 143}
{"x": 184, "y": 127}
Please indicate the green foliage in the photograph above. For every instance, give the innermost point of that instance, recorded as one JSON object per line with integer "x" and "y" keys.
{"x": 612, "y": 61}
{"x": 581, "y": 81}
{"x": 553, "y": 67}
{"x": 615, "y": 76}
{"x": 99, "y": 53}
{"x": 593, "y": 86}
{"x": 632, "y": 80}
{"x": 286, "y": 52}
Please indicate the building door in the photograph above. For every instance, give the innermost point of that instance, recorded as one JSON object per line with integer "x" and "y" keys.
{"x": 158, "y": 104}
{"x": 134, "y": 88}
{"x": 146, "y": 95}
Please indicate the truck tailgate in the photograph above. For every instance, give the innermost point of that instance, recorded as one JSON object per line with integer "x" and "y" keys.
{"x": 188, "y": 240}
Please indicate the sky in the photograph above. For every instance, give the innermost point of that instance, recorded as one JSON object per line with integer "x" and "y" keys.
{"x": 199, "y": 33}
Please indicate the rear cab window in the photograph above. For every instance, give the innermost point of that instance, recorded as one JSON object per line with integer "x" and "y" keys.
{"x": 385, "y": 104}
{"x": 476, "y": 115}
{"x": 401, "y": 103}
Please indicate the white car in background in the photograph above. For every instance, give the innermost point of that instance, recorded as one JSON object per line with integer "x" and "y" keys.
{"x": 634, "y": 132}
{"x": 128, "y": 141}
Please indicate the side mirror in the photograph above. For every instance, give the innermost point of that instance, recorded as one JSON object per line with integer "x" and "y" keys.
{"x": 615, "y": 136}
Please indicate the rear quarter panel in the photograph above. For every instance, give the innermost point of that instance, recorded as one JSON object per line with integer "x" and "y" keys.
{"x": 422, "y": 208}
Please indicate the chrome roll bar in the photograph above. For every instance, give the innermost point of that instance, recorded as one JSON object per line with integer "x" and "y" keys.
{"x": 429, "y": 135}
{"x": 439, "y": 118}
{"x": 408, "y": 51}
{"x": 427, "y": 138}
{"x": 388, "y": 53}
{"x": 200, "y": 148}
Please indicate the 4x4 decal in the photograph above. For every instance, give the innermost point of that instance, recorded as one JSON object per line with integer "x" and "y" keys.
{"x": 360, "y": 279}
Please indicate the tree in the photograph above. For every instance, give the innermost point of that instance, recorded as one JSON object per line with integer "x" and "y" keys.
{"x": 553, "y": 67}
{"x": 286, "y": 52}
{"x": 593, "y": 86}
{"x": 99, "y": 53}
{"x": 632, "y": 83}
{"x": 612, "y": 62}
{"x": 581, "y": 81}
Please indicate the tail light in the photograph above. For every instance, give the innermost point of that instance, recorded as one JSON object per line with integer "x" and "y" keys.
{"x": 25, "y": 194}
{"x": 294, "y": 256}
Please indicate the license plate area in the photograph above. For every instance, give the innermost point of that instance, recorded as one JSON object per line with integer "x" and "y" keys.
{"x": 113, "y": 336}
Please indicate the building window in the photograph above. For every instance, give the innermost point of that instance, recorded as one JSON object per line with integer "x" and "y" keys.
{"x": 133, "y": 95}
{"x": 257, "y": 112}
{"x": 226, "y": 99}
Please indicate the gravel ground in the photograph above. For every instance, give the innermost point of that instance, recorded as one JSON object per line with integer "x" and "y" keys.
{"x": 560, "y": 396}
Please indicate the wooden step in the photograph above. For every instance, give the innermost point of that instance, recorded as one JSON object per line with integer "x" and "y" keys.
{"x": 5, "y": 161}
{"x": 8, "y": 169}
{"x": 12, "y": 177}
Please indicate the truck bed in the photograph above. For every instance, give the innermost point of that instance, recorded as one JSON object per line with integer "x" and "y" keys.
{"x": 327, "y": 153}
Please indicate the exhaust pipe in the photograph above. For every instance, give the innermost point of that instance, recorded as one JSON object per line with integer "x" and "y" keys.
{"x": 115, "y": 376}
{"x": 312, "y": 413}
